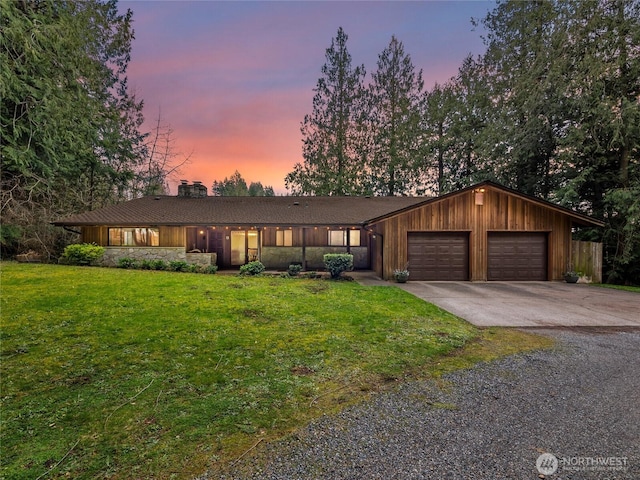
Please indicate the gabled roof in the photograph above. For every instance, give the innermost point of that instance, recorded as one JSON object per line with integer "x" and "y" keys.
{"x": 254, "y": 211}
{"x": 577, "y": 218}
{"x": 289, "y": 211}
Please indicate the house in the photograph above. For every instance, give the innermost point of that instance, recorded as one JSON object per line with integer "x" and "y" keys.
{"x": 483, "y": 232}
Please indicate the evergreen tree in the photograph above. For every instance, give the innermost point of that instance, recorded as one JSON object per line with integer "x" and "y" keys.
{"x": 438, "y": 119}
{"x": 601, "y": 84}
{"x": 600, "y": 144}
{"x": 333, "y": 134}
{"x": 70, "y": 128}
{"x": 236, "y": 186}
{"x": 396, "y": 108}
{"x": 564, "y": 112}
{"x": 523, "y": 44}
{"x": 456, "y": 119}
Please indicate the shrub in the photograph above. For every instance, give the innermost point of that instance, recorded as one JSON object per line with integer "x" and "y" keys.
{"x": 159, "y": 265}
{"x": 294, "y": 269}
{"x": 178, "y": 266}
{"x": 190, "y": 268}
{"x": 209, "y": 269}
{"x": 127, "y": 262}
{"x": 336, "y": 263}
{"x": 252, "y": 268}
{"x": 146, "y": 265}
{"x": 82, "y": 253}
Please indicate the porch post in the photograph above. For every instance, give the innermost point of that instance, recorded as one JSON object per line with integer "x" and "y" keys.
{"x": 304, "y": 248}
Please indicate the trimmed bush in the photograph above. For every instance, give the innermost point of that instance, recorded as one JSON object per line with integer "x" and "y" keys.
{"x": 127, "y": 262}
{"x": 294, "y": 269}
{"x": 252, "y": 268}
{"x": 82, "y": 254}
{"x": 336, "y": 263}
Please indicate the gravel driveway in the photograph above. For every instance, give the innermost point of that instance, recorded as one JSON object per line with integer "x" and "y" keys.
{"x": 579, "y": 402}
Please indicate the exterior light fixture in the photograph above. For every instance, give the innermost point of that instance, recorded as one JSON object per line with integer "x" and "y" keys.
{"x": 479, "y": 196}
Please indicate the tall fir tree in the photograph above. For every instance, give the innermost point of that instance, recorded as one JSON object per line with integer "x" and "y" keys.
{"x": 471, "y": 115}
{"x": 600, "y": 144}
{"x": 439, "y": 118}
{"x": 522, "y": 49}
{"x": 333, "y": 134}
{"x": 396, "y": 106}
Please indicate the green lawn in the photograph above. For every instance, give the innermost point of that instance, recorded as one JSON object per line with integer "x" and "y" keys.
{"x": 627, "y": 288}
{"x": 109, "y": 373}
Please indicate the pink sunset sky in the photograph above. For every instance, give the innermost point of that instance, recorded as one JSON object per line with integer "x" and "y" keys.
{"x": 234, "y": 80}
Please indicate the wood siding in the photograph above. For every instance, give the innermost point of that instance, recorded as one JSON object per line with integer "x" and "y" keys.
{"x": 500, "y": 211}
{"x": 172, "y": 236}
{"x": 97, "y": 235}
{"x": 586, "y": 257}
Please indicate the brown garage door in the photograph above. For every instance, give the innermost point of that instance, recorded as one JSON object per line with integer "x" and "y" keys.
{"x": 517, "y": 256}
{"x": 438, "y": 255}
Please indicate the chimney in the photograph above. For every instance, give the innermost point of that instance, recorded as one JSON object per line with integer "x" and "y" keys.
{"x": 197, "y": 190}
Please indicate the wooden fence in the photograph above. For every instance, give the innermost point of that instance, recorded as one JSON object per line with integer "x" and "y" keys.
{"x": 586, "y": 257}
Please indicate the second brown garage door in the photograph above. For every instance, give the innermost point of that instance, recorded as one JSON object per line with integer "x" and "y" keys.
{"x": 517, "y": 256}
{"x": 438, "y": 255}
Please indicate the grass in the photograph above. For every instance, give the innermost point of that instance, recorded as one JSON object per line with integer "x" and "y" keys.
{"x": 627, "y": 288}
{"x": 123, "y": 374}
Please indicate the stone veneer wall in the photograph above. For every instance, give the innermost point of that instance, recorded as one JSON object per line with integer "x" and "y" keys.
{"x": 203, "y": 259}
{"x": 282, "y": 257}
{"x": 168, "y": 254}
{"x": 315, "y": 256}
{"x": 360, "y": 258}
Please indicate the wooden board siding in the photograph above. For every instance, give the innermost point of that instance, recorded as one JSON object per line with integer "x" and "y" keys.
{"x": 97, "y": 235}
{"x": 501, "y": 211}
{"x": 172, "y": 236}
{"x": 586, "y": 257}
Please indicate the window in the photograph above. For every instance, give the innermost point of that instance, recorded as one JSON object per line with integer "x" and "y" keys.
{"x": 284, "y": 238}
{"x": 338, "y": 238}
{"x": 134, "y": 237}
{"x": 354, "y": 238}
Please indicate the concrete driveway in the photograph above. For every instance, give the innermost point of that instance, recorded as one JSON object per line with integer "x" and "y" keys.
{"x": 532, "y": 304}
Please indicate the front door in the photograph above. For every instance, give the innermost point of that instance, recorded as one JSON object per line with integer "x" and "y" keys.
{"x": 244, "y": 246}
{"x": 238, "y": 248}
